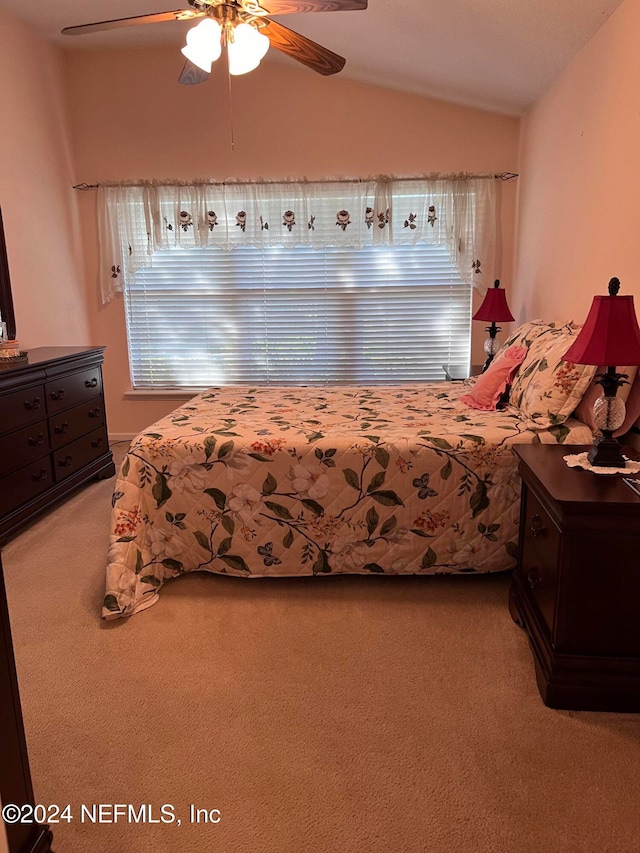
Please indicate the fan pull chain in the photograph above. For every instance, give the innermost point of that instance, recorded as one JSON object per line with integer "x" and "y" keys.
{"x": 231, "y": 113}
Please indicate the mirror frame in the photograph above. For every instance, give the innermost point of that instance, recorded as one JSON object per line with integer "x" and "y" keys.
{"x": 6, "y": 297}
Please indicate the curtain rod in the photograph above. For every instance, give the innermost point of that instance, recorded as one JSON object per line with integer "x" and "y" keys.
{"x": 502, "y": 176}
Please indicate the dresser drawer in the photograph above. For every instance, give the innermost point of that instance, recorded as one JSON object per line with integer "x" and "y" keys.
{"x": 70, "y": 458}
{"x": 29, "y": 482}
{"x": 69, "y": 391}
{"x": 22, "y": 447}
{"x": 541, "y": 580}
{"x": 541, "y": 529}
{"x": 21, "y": 408}
{"x": 69, "y": 425}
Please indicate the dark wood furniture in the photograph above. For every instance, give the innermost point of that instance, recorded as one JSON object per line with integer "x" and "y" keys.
{"x": 53, "y": 431}
{"x": 6, "y": 297}
{"x": 15, "y": 777}
{"x": 576, "y": 589}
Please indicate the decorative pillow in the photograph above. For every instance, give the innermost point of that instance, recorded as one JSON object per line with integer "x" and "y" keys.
{"x": 492, "y": 384}
{"x": 584, "y": 410}
{"x": 630, "y": 391}
{"x": 547, "y": 389}
{"x": 632, "y": 403}
{"x": 524, "y": 335}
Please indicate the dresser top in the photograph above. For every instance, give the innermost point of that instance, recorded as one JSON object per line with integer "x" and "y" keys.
{"x": 45, "y": 363}
{"x": 41, "y": 356}
{"x": 574, "y": 487}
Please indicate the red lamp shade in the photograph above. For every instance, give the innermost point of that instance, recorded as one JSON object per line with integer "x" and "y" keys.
{"x": 494, "y": 308}
{"x": 610, "y": 335}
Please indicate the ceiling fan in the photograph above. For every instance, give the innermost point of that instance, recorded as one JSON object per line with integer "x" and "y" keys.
{"x": 242, "y": 26}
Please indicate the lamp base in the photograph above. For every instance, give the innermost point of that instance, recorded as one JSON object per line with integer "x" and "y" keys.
{"x": 485, "y": 366}
{"x": 491, "y": 345}
{"x": 606, "y": 453}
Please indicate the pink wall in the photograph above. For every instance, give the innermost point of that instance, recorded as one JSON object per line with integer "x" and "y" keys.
{"x": 130, "y": 119}
{"x": 38, "y": 205}
{"x": 578, "y": 190}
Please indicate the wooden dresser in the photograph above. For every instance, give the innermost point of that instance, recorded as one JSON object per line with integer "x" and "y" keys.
{"x": 576, "y": 590}
{"x": 53, "y": 431}
{"x": 25, "y": 836}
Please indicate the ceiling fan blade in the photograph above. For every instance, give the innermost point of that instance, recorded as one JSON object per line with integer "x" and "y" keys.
{"x": 158, "y": 17}
{"x": 313, "y": 55}
{"x": 290, "y": 7}
{"x": 192, "y": 75}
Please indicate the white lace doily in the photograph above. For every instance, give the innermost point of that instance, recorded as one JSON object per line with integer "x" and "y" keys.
{"x": 579, "y": 460}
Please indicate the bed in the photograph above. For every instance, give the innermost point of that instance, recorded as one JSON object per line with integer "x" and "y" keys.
{"x": 383, "y": 480}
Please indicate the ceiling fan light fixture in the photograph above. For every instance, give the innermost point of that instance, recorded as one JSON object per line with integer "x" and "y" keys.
{"x": 203, "y": 44}
{"x": 224, "y": 15}
{"x": 246, "y": 49}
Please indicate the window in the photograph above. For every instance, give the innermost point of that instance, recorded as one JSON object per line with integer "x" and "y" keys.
{"x": 205, "y": 316}
{"x": 352, "y": 282}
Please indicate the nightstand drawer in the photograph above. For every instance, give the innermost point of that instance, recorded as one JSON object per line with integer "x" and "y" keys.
{"x": 70, "y": 458}
{"x": 540, "y": 578}
{"x": 75, "y": 422}
{"x": 72, "y": 389}
{"x": 541, "y": 529}
{"x": 21, "y": 408}
{"x": 22, "y": 485}
{"x": 22, "y": 447}
{"x": 600, "y": 610}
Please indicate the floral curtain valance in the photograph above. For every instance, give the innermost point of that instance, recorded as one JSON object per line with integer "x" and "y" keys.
{"x": 456, "y": 212}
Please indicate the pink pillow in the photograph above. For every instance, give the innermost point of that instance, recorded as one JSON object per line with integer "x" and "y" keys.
{"x": 491, "y": 385}
{"x": 584, "y": 410}
{"x": 633, "y": 407}
{"x": 629, "y": 393}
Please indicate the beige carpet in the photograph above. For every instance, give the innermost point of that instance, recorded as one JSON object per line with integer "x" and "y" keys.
{"x": 329, "y": 715}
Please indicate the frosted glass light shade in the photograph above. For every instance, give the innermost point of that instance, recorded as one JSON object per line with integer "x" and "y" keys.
{"x": 246, "y": 49}
{"x": 203, "y": 44}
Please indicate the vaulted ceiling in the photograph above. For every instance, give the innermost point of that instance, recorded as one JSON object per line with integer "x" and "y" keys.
{"x": 492, "y": 54}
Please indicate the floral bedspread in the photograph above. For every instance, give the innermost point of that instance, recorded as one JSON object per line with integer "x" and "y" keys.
{"x": 314, "y": 480}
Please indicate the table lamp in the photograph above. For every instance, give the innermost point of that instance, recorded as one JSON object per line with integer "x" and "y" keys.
{"x": 611, "y": 337}
{"x": 494, "y": 309}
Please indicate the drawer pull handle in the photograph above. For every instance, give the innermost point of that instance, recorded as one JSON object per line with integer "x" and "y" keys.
{"x": 60, "y": 429}
{"x": 534, "y": 579}
{"x": 94, "y": 413}
{"x": 57, "y": 395}
{"x": 32, "y": 404}
{"x": 537, "y": 527}
{"x": 41, "y": 476}
{"x": 97, "y": 442}
{"x": 91, "y": 383}
{"x": 63, "y": 463}
{"x": 36, "y": 440}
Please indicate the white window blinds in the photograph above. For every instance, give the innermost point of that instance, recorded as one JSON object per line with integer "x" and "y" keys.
{"x": 205, "y": 316}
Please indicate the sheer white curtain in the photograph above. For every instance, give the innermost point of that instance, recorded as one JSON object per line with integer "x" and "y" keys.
{"x": 456, "y": 212}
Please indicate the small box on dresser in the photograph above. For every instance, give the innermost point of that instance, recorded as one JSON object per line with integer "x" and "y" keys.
{"x": 576, "y": 589}
{"x": 53, "y": 431}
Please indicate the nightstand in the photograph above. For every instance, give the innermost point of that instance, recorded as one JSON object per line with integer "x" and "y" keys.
{"x": 576, "y": 588}
{"x": 455, "y": 373}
